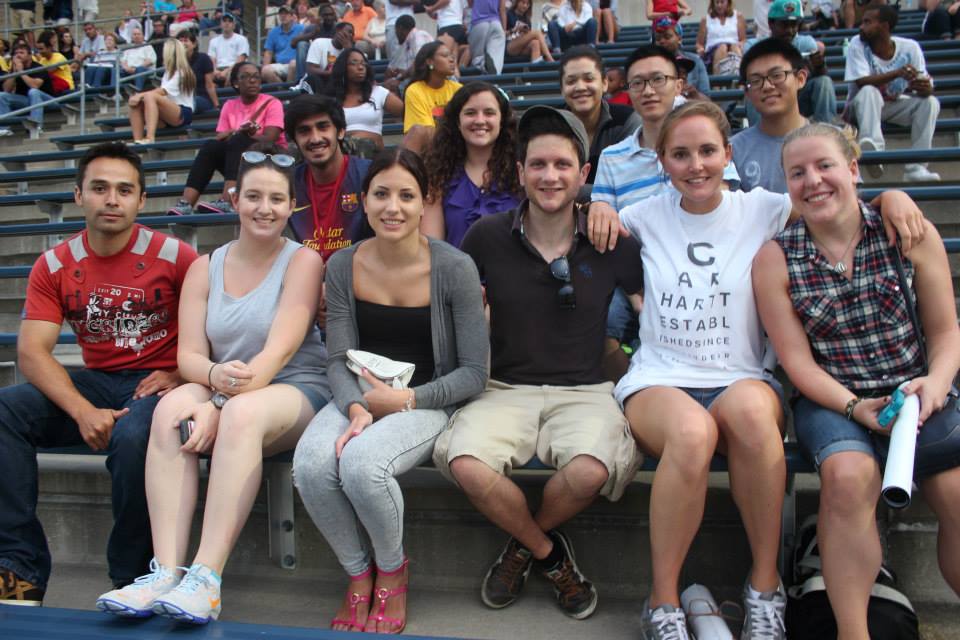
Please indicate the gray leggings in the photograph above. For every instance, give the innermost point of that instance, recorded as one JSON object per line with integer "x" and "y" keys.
{"x": 361, "y": 486}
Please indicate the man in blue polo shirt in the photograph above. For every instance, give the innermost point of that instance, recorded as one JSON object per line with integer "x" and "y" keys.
{"x": 279, "y": 56}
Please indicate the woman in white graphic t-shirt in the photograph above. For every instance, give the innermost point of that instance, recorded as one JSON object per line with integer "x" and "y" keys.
{"x": 698, "y": 385}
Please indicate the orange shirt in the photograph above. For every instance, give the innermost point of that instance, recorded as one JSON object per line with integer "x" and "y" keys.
{"x": 359, "y": 20}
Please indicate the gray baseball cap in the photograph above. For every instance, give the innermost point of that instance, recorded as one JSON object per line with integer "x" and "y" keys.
{"x": 573, "y": 123}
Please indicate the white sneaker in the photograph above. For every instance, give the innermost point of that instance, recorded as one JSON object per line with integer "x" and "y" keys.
{"x": 764, "y": 615}
{"x": 136, "y": 600}
{"x": 196, "y": 599}
{"x": 663, "y": 623}
{"x": 875, "y": 170}
{"x": 5, "y": 131}
{"x": 919, "y": 173}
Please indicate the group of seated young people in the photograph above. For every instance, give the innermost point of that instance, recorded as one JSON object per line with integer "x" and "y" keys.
{"x": 481, "y": 264}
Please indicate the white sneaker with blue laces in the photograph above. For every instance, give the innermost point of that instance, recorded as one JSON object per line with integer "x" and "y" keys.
{"x": 196, "y": 599}
{"x": 136, "y": 599}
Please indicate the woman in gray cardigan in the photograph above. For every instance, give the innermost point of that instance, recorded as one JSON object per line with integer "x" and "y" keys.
{"x": 409, "y": 298}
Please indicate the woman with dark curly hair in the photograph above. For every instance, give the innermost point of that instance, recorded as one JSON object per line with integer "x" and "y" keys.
{"x": 429, "y": 92}
{"x": 351, "y": 84}
{"x": 472, "y": 163}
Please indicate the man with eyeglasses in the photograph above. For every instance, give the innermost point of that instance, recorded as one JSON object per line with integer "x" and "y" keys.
{"x": 817, "y": 98}
{"x": 548, "y": 291}
{"x": 889, "y": 83}
{"x": 773, "y": 75}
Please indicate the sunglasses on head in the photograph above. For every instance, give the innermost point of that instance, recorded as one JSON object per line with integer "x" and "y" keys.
{"x": 560, "y": 269}
{"x": 281, "y": 160}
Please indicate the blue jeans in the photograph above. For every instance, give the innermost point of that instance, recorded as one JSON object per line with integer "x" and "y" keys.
{"x": 13, "y": 101}
{"x": 96, "y": 76}
{"x": 29, "y": 420}
{"x": 587, "y": 34}
{"x": 139, "y": 82}
{"x": 303, "y": 48}
{"x": 201, "y": 104}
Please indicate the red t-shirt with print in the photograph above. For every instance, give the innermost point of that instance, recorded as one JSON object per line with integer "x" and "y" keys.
{"x": 123, "y": 308}
{"x": 330, "y": 221}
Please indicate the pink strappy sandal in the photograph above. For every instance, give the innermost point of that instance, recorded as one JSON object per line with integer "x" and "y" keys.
{"x": 355, "y": 599}
{"x": 383, "y": 595}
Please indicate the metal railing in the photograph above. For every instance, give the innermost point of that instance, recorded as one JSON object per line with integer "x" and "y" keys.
{"x": 54, "y": 99}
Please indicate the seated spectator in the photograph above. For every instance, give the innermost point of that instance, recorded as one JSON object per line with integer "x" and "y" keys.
{"x": 773, "y": 75}
{"x": 188, "y": 17}
{"x": 471, "y": 163}
{"x": 279, "y": 57}
{"x": 68, "y": 48}
{"x": 359, "y": 15}
{"x": 364, "y": 103}
{"x": 376, "y": 33}
{"x": 323, "y": 52}
{"x": 451, "y": 30}
{"x": 88, "y": 9}
{"x": 818, "y": 98}
{"x": 668, "y": 33}
{"x": 348, "y": 459}
{"x": 608, "y": 27}
{"x": 137, "y": 59}
{"x": 853, "y": 10}
{"x": 409, "y": 42}
{"x": 761, "y": 27}
{"x": 547, "y": 289}
{"x": 91, "y": 44}
{"x": 23, "y": 19}
{"x": 125, "y": 27}
{"x": 330, "y": 215}
{"x": 25, "y": 90}
{"x": 486, "y": 36}
{"x": 808, "y": 278}
{"x": 206, "y": 97}
{"x": 99, "y": 71}
{"x": 616, "y": 87}
{"x": 158, "y": 36}
{"x": 942, "y": 20}
{"x": 824, "y": 15}
{"x": 395, "y": 9}
{"x": 250, "y": 118}
{"x": 4, "y": 56}
{"x": 723, "y": 32}
{"x": 300, "y": 9}
{"x": 675, "y": 9}
{"x": 271, "y": 16}
{"x": 169, "y": 105}
{"x": 95, "y": 282}
{"x": 47, "y": 84}
{"x": 328, "y": 21}
{"x": 253, "y": 363}
{"x": 429, "y": 92}
{"x": 573, "y": 25}
{"x": 227, "y": 49}
{"x": 582, "y": 87}
{"x": 210, "y": 24}
{"x": 889, "y": 83}
{"x": 548, "y": 13}
{"x": 522, "y": 40}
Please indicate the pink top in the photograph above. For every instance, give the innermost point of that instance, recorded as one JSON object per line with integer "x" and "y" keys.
{"x": 234, "y": 113}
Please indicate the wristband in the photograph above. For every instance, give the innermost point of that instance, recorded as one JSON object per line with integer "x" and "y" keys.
{"x": 851, "y": 405}
{"x": 408, "y": 404}
{"x": 210, "y": 375}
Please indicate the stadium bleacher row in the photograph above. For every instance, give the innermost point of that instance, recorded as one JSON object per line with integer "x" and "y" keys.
{"x": 36, "y": 201}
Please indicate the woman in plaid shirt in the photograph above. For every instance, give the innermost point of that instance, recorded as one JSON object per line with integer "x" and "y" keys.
{"x": 830, "y": 299}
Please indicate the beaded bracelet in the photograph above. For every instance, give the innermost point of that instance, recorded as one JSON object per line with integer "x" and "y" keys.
{"x": 851, "y": 405}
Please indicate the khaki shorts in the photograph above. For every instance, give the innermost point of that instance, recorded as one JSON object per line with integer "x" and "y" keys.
{"x": 282, "y": 69}
{"x": 23, "y": 19}
{"x": 508, "y": 424}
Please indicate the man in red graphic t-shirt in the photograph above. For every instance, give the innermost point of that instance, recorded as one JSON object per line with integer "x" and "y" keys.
{"x": 117, "y": 284}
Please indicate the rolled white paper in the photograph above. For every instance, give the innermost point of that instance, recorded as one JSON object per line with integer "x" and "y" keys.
{"x": 703, "y": 615}
{"x": 898, "y": 476}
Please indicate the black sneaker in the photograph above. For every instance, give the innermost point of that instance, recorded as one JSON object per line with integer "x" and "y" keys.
{"x": 575, "y": 594}
{"x": 505, "y": 579}
{"x": 16, "y": 590}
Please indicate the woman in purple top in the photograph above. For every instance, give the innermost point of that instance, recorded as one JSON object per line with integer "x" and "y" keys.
{"x": 472, "y": 163}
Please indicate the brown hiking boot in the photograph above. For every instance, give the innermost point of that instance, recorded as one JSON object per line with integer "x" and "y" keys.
{"x": 15, "y": 590}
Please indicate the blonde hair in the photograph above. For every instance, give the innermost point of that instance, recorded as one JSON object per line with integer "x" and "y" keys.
{"x": 712, "y": 9}
{"x": 844, "y": 137}
{"x": 692, "y": 109}
{"x": 175, "y": 61}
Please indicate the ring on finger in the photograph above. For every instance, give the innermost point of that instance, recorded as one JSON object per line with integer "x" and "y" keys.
{"x": 233, "y": 381}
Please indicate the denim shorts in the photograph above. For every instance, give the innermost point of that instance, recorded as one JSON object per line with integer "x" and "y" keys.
{"x": 706, "y": 396}
{"x": 186, "y": 115}
{"x": 313, "y": 394}
{"x": 822, "y": 433}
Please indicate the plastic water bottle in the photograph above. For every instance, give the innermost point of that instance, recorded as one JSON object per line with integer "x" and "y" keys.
{"x": 845, "y": 46}
{"x": 703, "y": 616}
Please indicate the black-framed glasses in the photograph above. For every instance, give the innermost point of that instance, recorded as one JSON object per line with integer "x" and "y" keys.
{"x": 658, "y": 81}
{"x": 560, "y": 269}
{"x": 243, "y": 77}
{"x": 281, "y": 160}
{"x": 776, "y": 78}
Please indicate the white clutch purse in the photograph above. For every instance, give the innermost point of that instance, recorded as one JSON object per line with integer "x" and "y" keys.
{"x": 392, "y": 372}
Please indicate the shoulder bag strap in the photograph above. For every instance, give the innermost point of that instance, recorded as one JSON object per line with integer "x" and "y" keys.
{"x": 911, "y": 307}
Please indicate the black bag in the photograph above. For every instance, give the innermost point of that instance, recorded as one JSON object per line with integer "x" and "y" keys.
{"x": 890, "y": 616}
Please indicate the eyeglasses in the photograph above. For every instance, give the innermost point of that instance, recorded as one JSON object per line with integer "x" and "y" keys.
{"x": 281, "y": 160}
{"x": 243, "y": 77}
{"x": 357, "y": 63}
{"x": 776, "y": 78}
{"x": 658, "y": 81}
{"x": 560, "y": 269}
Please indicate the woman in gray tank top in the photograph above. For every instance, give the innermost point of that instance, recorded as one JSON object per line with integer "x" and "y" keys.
{"x": 254, "y": 366}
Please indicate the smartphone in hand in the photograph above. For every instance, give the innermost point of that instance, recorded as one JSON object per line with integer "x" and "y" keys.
{"x": 186, "y": 430}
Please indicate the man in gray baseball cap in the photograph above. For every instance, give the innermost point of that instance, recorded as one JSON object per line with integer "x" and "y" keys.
{"x": 548, "y": 290}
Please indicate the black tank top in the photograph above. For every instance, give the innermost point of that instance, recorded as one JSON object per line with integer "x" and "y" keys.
{"x": 400, "y": 333}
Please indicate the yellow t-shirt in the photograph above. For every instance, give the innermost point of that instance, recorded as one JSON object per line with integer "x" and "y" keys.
{"x": 62, "y": 72}
{"x": 4, "y": 64}
{"x": 423, "y": 103}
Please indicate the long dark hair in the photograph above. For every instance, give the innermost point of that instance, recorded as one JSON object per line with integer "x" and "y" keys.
{"x": 337, "y": 84}
{"x": 448, "y": 150}
{"x": 398, "y": 156}
{"x": 420, "y": 69}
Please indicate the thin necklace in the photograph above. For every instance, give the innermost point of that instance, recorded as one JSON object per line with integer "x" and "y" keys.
{"x": 840, "y": 268}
